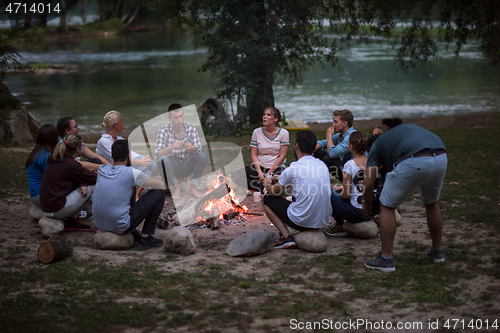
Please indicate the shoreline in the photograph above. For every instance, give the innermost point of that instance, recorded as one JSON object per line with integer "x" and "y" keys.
{"x": 468, "y": 120}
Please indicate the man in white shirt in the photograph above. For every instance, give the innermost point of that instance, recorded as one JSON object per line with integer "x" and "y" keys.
{"x": 310, "y": 182}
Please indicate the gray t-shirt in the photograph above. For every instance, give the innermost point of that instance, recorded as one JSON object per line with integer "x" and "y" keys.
{"x": 400, "y": 143}
{"x": 114, "y": 189}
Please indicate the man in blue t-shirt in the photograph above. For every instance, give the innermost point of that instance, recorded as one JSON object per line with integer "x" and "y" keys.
{"x": 115, "y": 208}
{"x": 413, "y": 158}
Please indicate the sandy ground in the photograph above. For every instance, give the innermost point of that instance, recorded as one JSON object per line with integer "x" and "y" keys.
{"x": 16, "y": 224}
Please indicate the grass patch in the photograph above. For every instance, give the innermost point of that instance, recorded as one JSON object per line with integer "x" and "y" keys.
{"x": 114, "y": 24}
{"x": 88, "y": 295}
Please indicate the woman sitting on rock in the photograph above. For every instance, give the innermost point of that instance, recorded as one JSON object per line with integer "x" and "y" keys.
{"x": 344, "y": 198}
{"x": 269, "y": 148}
{"x": 66, "y": 184}
{"x": 37, "y": 161}
{"x": 66, "y": 126}
{"x": 113, "y": 124}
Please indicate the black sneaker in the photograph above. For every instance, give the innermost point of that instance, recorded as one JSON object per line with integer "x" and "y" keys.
{"x": 145, "y": 243}
{"x": 381, "y": 264}
{"x": 437, "y": 256}
{"x": 286, "y": 243}
{"x": 137, "y": 235}
{"x": 72, "y": 224}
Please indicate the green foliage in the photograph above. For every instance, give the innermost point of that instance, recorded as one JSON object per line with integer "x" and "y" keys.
{"x": 255, "y": 44}
{"x": 456, "y": 22}
{"x": 114, "y": 24}
{"x": 9, "y": 58}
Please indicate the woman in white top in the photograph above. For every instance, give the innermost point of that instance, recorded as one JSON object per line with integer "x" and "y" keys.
{"x": 269, "y": 148}
{"x": 344, "y": 198}
{"x": 113, "y": 124}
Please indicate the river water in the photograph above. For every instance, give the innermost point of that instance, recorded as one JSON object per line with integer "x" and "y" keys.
{"x": 140, "y": 75}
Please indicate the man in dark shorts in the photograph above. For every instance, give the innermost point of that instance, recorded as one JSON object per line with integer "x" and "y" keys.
{"x": 310, "y": 182}
{"x": 413, "y": 158}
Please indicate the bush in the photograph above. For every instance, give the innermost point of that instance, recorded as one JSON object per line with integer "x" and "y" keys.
{"x": 114, "y": 24}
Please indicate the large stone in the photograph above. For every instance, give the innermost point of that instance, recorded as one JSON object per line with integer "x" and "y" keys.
{"x": 362, "y": 229}
{"x": 311, "y": 241}
{"x": 50, "y": 227}
{"x": 399, "y": 219}
{"x": 179, "y": 240}
{"x": 252, "y": 243}
{"x": 36, "y": 212}
{"x": 111, "y": 241}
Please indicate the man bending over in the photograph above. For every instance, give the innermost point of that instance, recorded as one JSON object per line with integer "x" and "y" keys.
{"x": 310, "y": 182}
{"x": 115, "y": 208}
{"x": 413, "y": 158}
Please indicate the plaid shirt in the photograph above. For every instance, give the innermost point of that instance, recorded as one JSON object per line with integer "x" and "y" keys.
{"x": 166, "y": 137}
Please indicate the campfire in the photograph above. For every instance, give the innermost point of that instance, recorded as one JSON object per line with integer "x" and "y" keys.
{"x": 218, "y": 207}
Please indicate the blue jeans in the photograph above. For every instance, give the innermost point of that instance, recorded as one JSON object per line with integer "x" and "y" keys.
{"x": 183, "y": 168}
{"x": 343, "y": 210}
{"x": 148, "y": 170}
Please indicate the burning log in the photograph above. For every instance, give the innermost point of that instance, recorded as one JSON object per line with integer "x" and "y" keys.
{"x": 189, "y": 213}
{"x": 230, "y": 214}
{"x": 215, "y": 222}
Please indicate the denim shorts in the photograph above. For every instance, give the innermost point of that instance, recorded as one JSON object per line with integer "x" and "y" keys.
{"x": 426, "y": 173}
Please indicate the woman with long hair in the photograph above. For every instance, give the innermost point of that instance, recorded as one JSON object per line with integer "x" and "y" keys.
{"x": 113, "y": 125}
{"x": 269, "y": 146}
{"x": 37, "y": 161}
{"x": 66, "y": 184}
{"x": 344, "y": 198}
{"x": 67, "y": 126}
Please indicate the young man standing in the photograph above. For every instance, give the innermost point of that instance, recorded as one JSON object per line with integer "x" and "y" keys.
{"x": 310, "y": 182}
{"x": 333, "y": 151}
{"x": 115, "y": 209}
{"x": 413, "y": 158}
{"x": 178, "y": 148}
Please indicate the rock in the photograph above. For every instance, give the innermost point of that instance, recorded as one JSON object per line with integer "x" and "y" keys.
{"x": 179, "y": 240}
{"x": 362, "y": 229}
{"x": 311, "y": 241}
{"x": 399, "y": 219}
{"x": 111, "y": 241}
{"x": 252, "y": 243}
{"x": 50, "y": 227}
{"x": 20, "y": 126}
{"x": 36, "y": 212}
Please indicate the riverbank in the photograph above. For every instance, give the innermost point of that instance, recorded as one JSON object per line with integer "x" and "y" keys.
{"x": 470, "y": 120}
{"x": 105, "y": 29}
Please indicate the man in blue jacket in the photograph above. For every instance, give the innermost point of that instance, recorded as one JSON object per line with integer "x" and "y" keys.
{"x": 333, "y": 151}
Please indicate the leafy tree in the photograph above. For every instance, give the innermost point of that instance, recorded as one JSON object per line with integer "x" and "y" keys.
{"x": 10, "y": 62}
{"x": 125, "y": 10}
{"x": 254, "y": 44}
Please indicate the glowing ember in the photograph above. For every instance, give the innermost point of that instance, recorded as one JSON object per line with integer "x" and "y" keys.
{"x": 226, "y": 203}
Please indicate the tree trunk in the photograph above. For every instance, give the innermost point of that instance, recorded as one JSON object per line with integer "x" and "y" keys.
{"x": 262, "y": 98}
{"x": 56, "y": 248}
{"x": 261, "y": 95}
